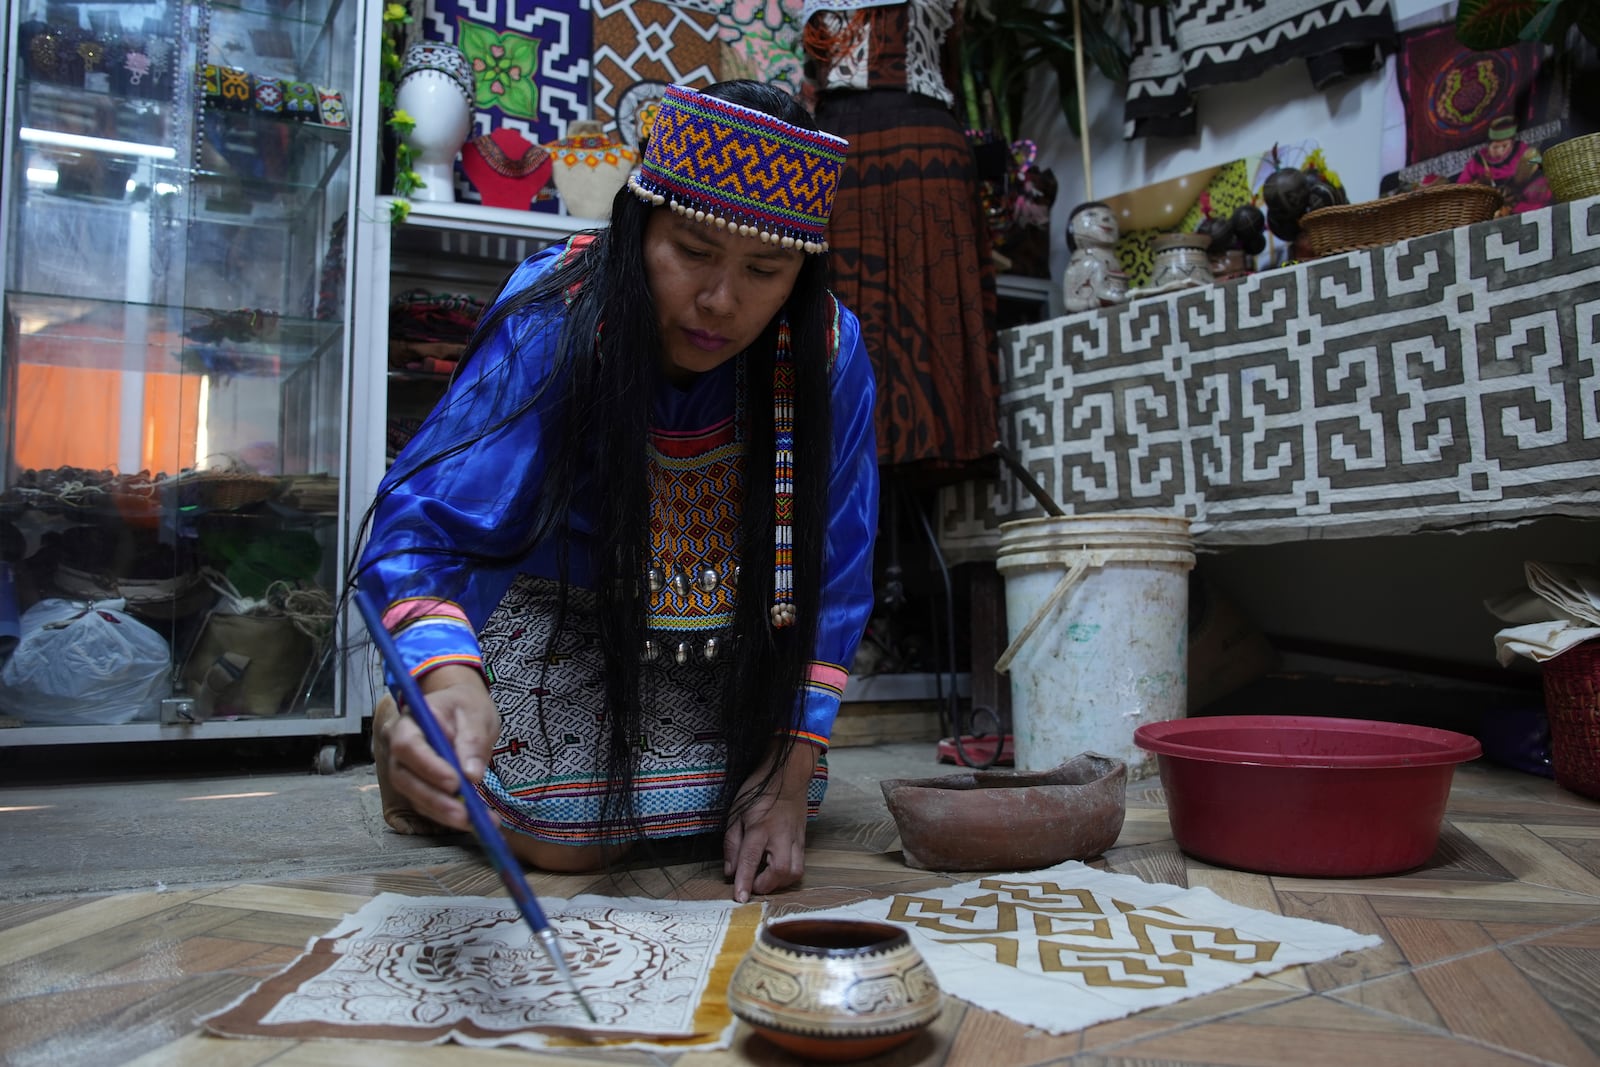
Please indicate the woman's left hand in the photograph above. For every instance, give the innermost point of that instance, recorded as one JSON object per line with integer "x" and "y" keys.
{"x": 771, "y": 826}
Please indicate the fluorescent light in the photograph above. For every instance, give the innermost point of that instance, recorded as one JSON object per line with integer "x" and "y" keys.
{"x": 43, "y": 176}
{"x": 96, "y": 144}
{"x": 166, "y": 189}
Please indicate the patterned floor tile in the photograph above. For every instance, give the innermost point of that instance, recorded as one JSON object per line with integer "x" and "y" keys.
{"x": 1310, "y": 1032}
{"x": 1490, "y": 953}
{"x": 69, "y": 924}
{"x": 1484, "y": 998}
{"x": 153, "y": 943}
{"x": 415, "y": 883}
{"x": 110, "y": 1024}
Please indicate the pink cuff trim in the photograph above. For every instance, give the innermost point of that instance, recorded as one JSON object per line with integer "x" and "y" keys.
{"x": 827, "y": 676}
{"x": 402, "y": 613}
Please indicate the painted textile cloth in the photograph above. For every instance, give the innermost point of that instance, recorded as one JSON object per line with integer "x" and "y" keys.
{"x": 1451, "y": 93}
{"x": 911, "y": 257}
{"x": 1445, "y": 381}
{"x": 465, "y": 969}
{"x": 1071, "y": 946}
{"x": 1181, "y": 47}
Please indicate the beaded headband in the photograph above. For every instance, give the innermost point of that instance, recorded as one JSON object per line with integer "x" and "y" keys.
{"x": 740, "y": 170}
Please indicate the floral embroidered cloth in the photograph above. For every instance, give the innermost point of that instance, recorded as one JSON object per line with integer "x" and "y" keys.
{"x": 466, "y": 969}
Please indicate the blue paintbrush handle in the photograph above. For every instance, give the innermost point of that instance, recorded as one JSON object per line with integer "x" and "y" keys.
{"x": 409, "y": 694}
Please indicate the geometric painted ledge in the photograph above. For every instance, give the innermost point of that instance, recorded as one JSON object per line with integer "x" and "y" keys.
{"x": 1448, "y": 381}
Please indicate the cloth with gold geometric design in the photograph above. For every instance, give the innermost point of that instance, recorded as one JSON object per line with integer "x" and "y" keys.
{"x": 466, "y": 969}
{"x": 1071, "y": 946}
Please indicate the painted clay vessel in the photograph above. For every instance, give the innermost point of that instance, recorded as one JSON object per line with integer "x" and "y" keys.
{"x": 1010, "y": 820}
{"x": 834, "y": 989}
{"x": 1180, "y": 260}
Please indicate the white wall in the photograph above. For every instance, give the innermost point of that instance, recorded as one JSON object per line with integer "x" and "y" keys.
{"x": 1235, "y": 121}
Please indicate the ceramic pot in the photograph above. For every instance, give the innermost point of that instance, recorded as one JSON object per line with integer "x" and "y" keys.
{"x": 1010, "y": 820}
{"x": 1180, "y": 260}
{"x": 834, "y": 989}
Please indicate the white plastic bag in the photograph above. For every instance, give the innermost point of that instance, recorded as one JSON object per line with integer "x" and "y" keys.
{"x": 83, "y": 664}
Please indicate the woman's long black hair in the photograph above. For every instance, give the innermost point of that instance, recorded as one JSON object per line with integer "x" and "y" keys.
{"x": 608, "y": 364}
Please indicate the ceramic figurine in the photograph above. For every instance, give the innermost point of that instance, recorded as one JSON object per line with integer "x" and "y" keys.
{"x": 436, "y": 90}
{"x": 1180, "y": 261}
{"x": 1094, "y": 275}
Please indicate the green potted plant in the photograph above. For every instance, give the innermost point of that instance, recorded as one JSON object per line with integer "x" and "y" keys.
{"x": 1006, "y": 43}
{"x": 1489, "y": 24}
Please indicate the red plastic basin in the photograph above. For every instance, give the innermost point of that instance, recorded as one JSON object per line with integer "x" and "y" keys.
{"x": 1298, "y": 795}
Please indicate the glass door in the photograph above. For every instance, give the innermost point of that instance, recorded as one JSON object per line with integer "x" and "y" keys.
{"x": 176, "y": 188}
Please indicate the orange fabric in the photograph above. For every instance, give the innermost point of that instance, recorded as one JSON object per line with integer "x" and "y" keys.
{"x": 71, "y": 417}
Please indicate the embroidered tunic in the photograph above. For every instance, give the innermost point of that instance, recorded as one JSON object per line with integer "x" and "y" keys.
{"x": 437, "y": 603}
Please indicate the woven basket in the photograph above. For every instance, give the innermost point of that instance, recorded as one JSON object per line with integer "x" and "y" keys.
{"x": 226, "y": 490}
{"x": 1572, "y": 703}
{"x": 1375, "y": 223}
{"x": 1573, "y": 167}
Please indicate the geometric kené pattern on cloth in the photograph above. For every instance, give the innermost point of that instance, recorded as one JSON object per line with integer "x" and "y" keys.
{"x": 547, "y": 776}
{"x": 1443, "y": 381}
{"x": 644, "y": 41}
{"x": 1071, "y": 946}
{"x": 1183, "y": 46}
{"x": 466, "y": 969}
{"x": 564, "y": 32}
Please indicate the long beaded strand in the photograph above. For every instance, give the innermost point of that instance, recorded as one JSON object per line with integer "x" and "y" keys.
{"x": 783, "y": 610}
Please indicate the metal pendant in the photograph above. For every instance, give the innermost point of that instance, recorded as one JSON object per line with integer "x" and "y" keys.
{"x": 708, "y": 580}
{"x": 708, "y": 651}
{"x": 680, "y": 583}
{"x": 681, "y": 653}
{"x": 656, "y": 579}
{"x": 733, "y": 579}
{"x": 652, "y": 651}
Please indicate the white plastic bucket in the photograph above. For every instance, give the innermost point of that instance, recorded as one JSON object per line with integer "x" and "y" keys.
{"x": 1097, "y": 607}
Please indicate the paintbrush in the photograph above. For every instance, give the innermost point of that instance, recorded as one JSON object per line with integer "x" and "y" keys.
{"x": 409, "y": 696}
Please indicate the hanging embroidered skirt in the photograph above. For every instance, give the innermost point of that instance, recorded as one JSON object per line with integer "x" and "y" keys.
{"x": 547, "y": 777}
{"x": 911, "y": 257}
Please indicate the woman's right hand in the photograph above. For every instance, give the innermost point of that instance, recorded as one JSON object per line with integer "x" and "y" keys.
{"x": 460, "y": 702}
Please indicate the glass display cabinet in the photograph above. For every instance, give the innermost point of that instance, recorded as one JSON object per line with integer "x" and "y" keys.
{"x": 177, "y": 182}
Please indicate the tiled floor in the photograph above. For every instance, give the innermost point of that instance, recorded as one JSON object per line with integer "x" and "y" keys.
{"x": 1490, "y": 954}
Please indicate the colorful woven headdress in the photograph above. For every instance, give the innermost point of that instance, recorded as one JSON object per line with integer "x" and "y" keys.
{"x": 740, "y": 170}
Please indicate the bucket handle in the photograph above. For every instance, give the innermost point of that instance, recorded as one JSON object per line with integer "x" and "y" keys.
{"x": 1063, "y": 587}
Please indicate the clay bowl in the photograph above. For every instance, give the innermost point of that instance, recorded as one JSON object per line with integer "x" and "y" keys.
{"x": 1010, "y": 820}
{"x": 834, "y": 989}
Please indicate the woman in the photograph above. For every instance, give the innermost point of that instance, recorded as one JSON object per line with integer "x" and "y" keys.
{"x": 629, "y": 554}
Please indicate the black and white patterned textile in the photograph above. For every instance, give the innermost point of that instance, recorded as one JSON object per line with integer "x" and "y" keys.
{"x": 1443, "y": 382}
{"x": 1183, "y": 46}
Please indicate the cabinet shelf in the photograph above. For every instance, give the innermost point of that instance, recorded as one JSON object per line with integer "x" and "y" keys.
{"x": 175, "y": 380}
{"x": 156, "y": 338}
